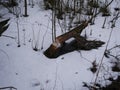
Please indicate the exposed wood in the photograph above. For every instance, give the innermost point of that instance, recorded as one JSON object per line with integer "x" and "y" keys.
{"x": 51, "y": 51}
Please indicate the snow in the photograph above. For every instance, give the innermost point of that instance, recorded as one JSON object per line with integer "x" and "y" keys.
{"x": 26, "y": 69}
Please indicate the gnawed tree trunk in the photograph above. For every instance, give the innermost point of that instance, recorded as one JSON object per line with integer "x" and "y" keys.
{"x": 59, "y": 47}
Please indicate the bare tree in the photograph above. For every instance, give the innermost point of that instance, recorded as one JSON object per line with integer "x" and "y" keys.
{"x": 25, "y": 5}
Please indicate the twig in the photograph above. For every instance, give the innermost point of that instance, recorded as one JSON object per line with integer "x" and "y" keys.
{"x": 109, "y": 3}
{"x": 55, "y": 77}
{"x": 5, "y": 53}
{"x": 104, "y": 23}
{"x": 100, "y": 65}
{"x": 100, "y": 11}
{"x": 84, "y": 57}
{"x": 10, "y": 87}
{"x": 114, "y": 47}
{"x": 6, "y": 7}
{"x": 44, "y": 35}
{"x": 114, "y": 56}
{"x": 33, "y": 36}
{"x": 61, "y": 83}
{"x": 60, "y": 25}
{"x": 37, "y": 41}
{"x": 107, "y": 70}
{"x": 8, "y": 36}
{"x": 18, "y": 32}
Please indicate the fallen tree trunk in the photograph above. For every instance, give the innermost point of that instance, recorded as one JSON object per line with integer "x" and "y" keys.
{"x": 59, "y": 47}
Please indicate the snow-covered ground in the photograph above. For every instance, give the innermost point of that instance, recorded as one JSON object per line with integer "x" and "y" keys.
{"x": 26, "y": 69}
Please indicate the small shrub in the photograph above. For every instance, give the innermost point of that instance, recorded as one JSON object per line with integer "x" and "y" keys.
{"x": 93, "y": 4}
{"x": 105, "y": 11}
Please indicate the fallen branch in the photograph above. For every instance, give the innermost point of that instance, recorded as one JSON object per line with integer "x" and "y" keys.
{"x": 10, "y": 87}
{"x": 8, "y": 36}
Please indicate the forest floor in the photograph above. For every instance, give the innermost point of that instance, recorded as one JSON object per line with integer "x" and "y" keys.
{"x": 26, "y": 69}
